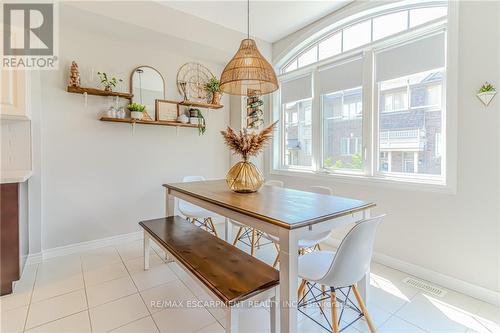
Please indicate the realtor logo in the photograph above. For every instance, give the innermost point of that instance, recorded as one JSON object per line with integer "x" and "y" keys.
{"x": 28, "y": 36}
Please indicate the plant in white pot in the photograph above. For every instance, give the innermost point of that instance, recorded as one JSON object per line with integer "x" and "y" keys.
{"x": 136, "y": 110}
{"x": 486, "y": 93}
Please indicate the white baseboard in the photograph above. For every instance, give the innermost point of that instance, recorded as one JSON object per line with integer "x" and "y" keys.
{"x": 34, "y": 258}
{"x": 446, "y": 281}
{"x": 81, "y": 247}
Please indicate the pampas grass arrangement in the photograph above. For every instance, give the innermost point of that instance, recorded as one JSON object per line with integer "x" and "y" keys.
{"x": 247, "y": 144}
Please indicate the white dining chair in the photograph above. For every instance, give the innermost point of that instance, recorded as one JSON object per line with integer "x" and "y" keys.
{"x": 250, "y": 236}
{"x": 311, "y": 243}
{"x": 339, "y": 270}
{"x": 194, "y": 214}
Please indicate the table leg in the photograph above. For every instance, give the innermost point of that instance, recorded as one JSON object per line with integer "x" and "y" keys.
{"x": 146, "y": 250}
{"x": 364, "y": 284}
{"x": 169, "y": 204}
{"x": 228, "y": 230}
{"x": 273, "y": 315}
{"x": 232, "y": 320}
{"x": 288, "y": 281}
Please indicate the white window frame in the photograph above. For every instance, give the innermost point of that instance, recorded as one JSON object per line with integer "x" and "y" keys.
{"x": 446, "y": 183}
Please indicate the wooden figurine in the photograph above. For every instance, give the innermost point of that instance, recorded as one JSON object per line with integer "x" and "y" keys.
{"x": 74, "y": 76}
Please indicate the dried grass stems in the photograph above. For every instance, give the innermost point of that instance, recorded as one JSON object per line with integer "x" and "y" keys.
{"x": 248, "y": 144}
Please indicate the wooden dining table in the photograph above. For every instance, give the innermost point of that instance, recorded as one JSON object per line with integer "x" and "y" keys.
{"x": 286, "y": 213}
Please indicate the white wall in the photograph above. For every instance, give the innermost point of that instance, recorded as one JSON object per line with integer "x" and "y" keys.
{"x": 96, "y": 179}
{"x": 454, "y": 234}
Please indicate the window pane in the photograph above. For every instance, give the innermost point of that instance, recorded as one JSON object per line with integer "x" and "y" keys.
{"x": 291, "y": 66}
{"x": 394, "y": 95}
{"x": 298, "y": 133}
{"x": 357, "y": 35}
{"x": 389, "y": 24}
{"x": 309, "y": 57}
{"x": 428, "y": 93}
{"x": 343, "y": 130}
{"x": 410, "y": 140}
{"x": 330, "y": 46}
{"x": 422, "y": 15}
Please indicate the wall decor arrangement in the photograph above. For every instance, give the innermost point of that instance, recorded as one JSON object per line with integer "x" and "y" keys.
{"x": 255, "y": 115}
{"x": 147, "y": 103}
{"x": 486, "y": 93}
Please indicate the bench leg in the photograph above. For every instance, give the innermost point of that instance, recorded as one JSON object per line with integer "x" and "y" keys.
{"x": 168, "y": 257}
{"x": 232, "y": 323}
{"x": 228, "y": 228}
{"x": 273, "y": 320}
{"x": 146, "y": 250}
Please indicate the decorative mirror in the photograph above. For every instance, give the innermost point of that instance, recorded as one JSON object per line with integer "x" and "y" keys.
{"x": 147, "y": 85}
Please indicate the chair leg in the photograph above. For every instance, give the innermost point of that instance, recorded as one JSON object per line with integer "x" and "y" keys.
{"x": 276, "y": 260}
{"x": 322, "y": 303}
{"x": 302, "y": 287}
{"x": 364, "y": 309}
{"x": 333, "y": 300}
{"x": 238, "y": 236}
{"x": 252, "y": 242}
{"x": 277, "y": 255}
{"x": 212, "y": 226}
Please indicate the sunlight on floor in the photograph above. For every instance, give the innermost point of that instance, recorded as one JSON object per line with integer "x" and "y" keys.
{"x": 382, "y": 283}
{"x": 465, "y": 318}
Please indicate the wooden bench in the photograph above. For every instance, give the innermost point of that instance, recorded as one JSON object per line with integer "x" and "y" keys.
{"x": 223, "y": 270}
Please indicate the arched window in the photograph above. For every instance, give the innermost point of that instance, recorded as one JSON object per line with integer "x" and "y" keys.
{"x": 359, "y": 33}
{"x": 367, "y": 97}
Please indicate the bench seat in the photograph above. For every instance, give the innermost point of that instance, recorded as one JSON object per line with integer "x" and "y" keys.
{"x": 231, "y": 274}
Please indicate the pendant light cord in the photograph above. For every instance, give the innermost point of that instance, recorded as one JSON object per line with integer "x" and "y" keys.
{"x": 248, "y": 19}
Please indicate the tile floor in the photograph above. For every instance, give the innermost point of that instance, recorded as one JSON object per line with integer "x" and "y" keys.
{"x": 107, "y": 290}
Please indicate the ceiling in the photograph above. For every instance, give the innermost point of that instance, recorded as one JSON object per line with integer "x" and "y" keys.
{"x": 269, "y": 20}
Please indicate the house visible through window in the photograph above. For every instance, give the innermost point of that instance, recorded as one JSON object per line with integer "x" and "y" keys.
{"x": 298, "y": 134}
{"x": 342, "y": 129}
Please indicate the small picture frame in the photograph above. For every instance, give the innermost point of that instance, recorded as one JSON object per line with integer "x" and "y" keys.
{"x": 166, "y": 110}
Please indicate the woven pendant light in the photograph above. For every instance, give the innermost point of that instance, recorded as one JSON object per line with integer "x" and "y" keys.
{"x": 248, "y": 72}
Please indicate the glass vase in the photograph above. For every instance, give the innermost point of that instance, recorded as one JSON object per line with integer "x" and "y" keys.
{"x": 244, "y": 177}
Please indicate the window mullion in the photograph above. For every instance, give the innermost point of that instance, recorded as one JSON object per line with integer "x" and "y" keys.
{"x": 368, "y": 112}
{"x": 316, "y": 124}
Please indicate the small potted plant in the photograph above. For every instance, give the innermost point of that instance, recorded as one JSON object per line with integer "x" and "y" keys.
{"x": 213, "y": 87}
{"x": 486, "y": 93}
{"x": 107, "y": 82}
{"x": 136, "y": 110}
{"x": 196, "y": 117}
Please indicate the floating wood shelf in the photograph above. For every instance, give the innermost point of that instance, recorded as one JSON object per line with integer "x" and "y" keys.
{"x": 201, "y": 105}
{"x": 98, "y": 92}
{"x": 148, "y": 122}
